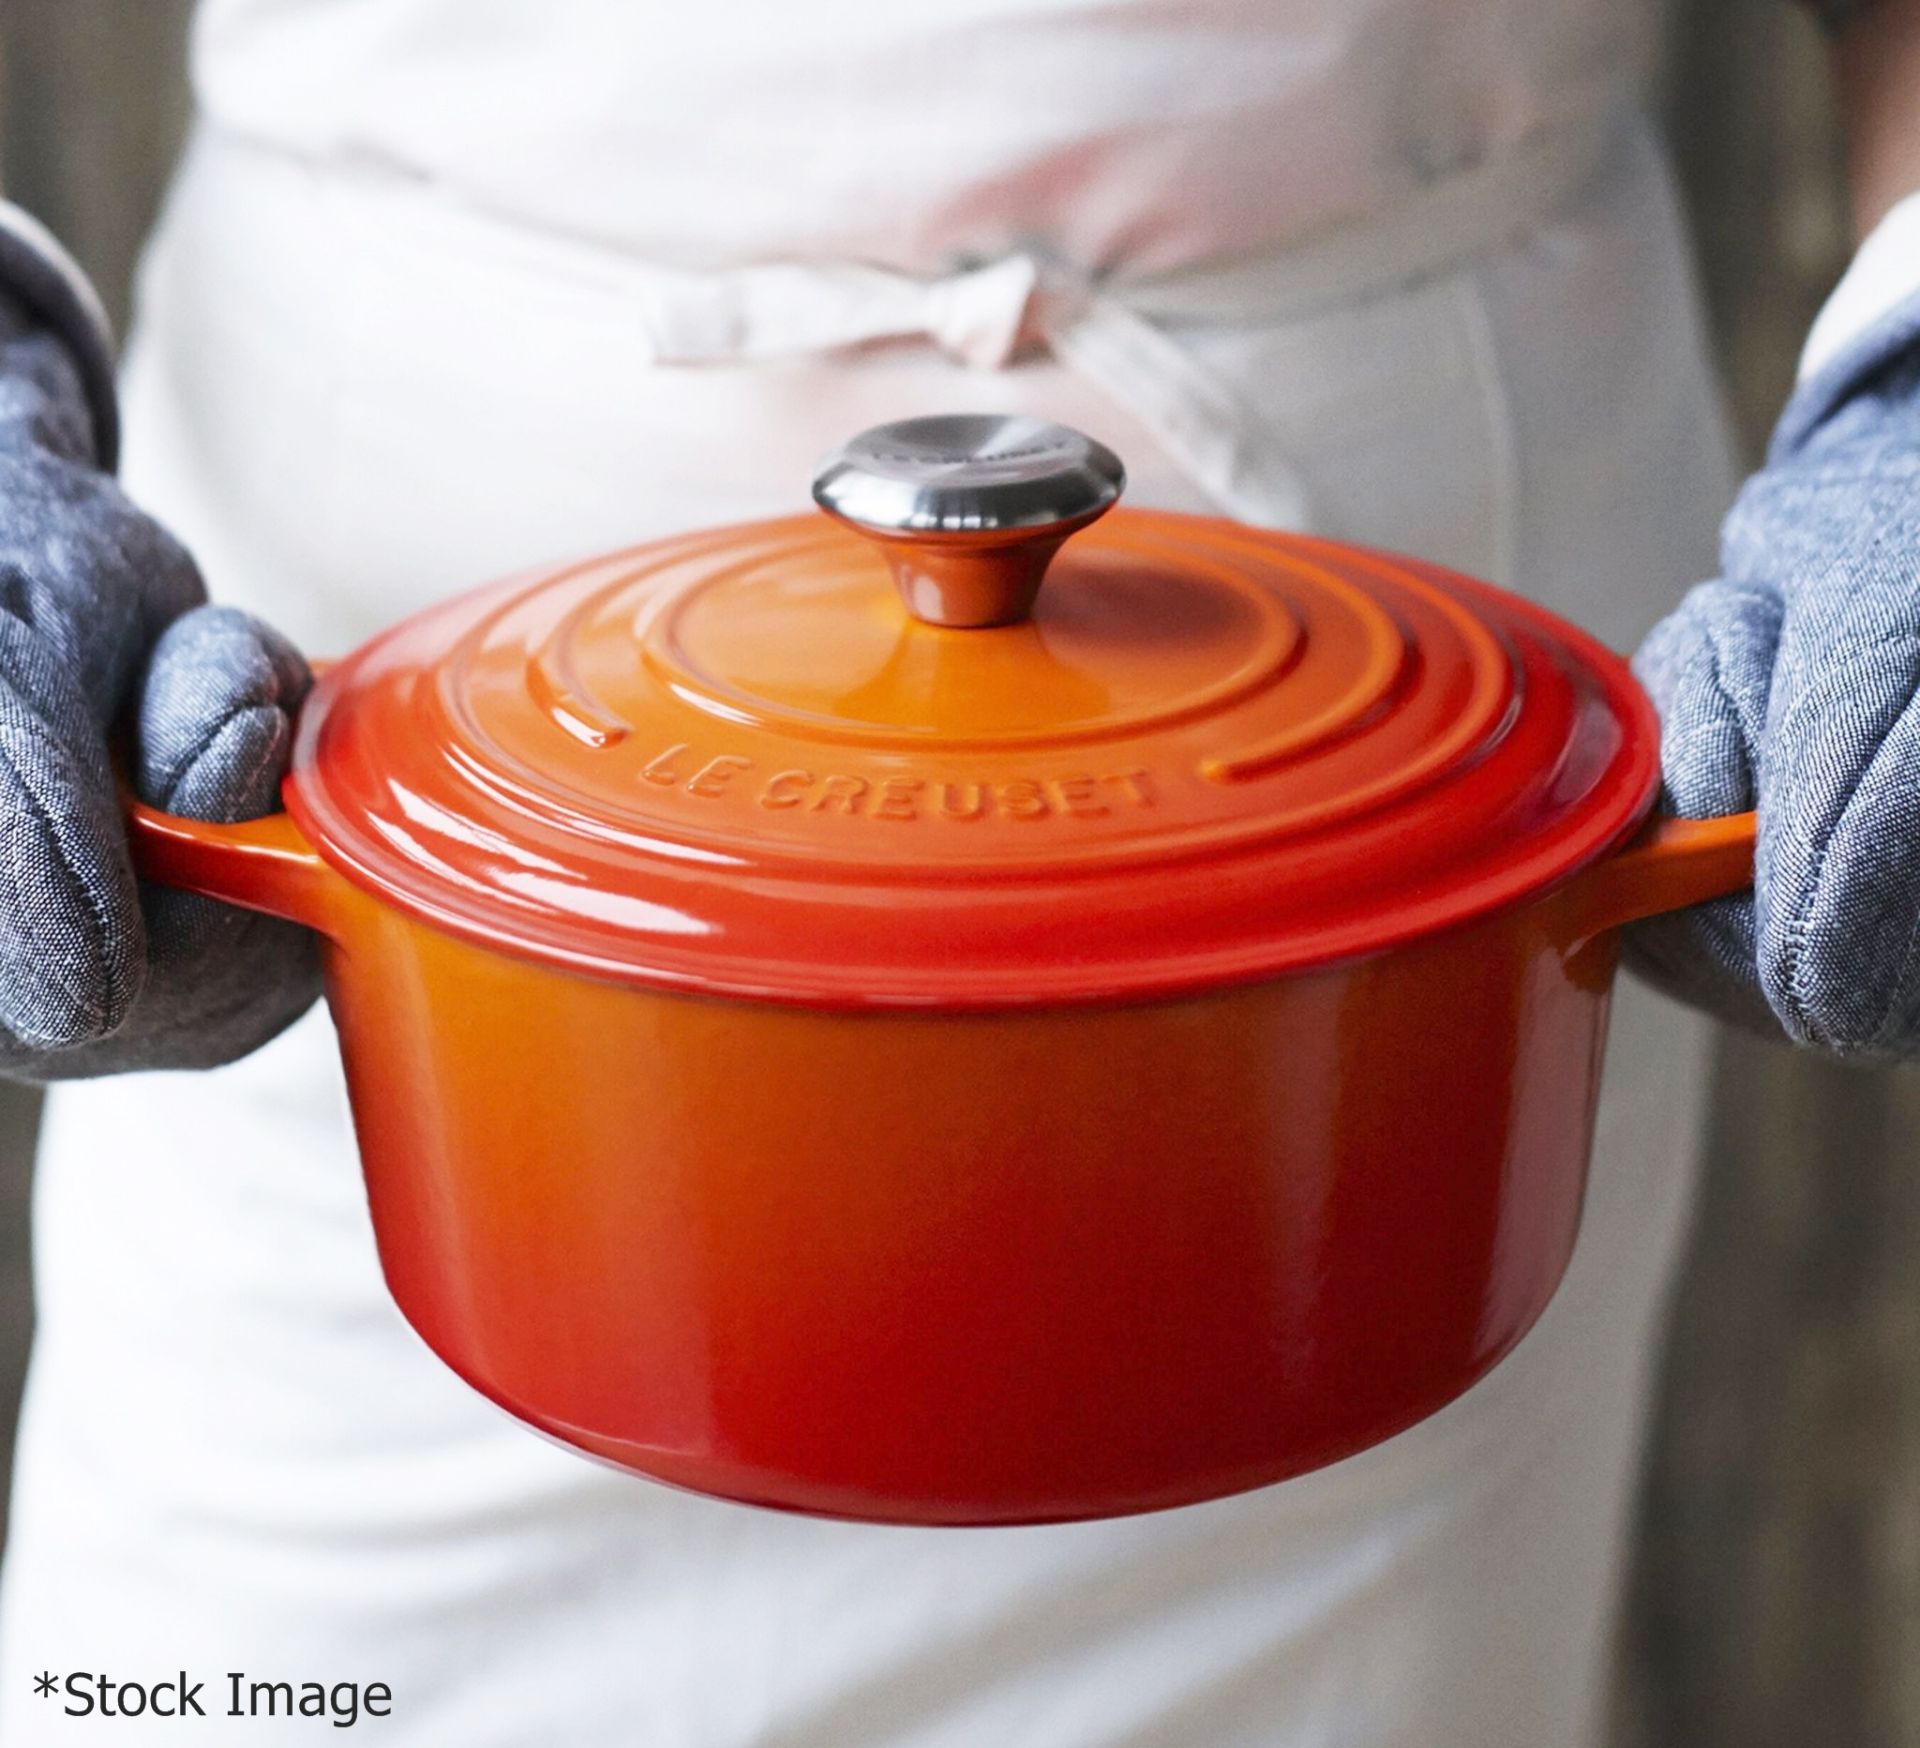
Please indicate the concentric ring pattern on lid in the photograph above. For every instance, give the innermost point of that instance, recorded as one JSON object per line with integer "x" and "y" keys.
{"x": 747, "y": 763}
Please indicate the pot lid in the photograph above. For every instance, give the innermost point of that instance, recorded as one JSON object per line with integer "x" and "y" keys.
{"x": 926, "y": 749}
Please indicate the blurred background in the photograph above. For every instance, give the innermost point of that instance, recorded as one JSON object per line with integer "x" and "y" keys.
{"x": 1775, "y": 1583}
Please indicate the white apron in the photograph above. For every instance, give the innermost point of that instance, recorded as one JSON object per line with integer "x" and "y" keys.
{"x": 352, "y": 393}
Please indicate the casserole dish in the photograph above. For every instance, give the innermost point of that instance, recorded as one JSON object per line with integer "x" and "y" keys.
{"x": 968, "y": 1008}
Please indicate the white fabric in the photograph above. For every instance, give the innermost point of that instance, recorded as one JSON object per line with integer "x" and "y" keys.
{"x": 1884, "y": 272}
{"x": 1142, "y": 132}
{"x": 235, "y": 1456}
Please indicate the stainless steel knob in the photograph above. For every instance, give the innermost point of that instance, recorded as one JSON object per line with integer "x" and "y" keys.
{"x": 969, "y": 508}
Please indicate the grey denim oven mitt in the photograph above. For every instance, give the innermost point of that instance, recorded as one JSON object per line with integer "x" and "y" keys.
{"x": 103, "y": 630}
{"x": 1790, "y": 684}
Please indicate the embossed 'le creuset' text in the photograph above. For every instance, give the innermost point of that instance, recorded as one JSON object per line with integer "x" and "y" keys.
{"x": 896, "y": 796}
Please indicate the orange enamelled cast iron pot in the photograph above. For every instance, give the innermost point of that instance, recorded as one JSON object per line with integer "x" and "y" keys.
{"x": 835, "y": 1021}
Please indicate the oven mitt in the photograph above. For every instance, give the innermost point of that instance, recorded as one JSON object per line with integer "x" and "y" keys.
{"x": 102, "y": 630}
{"x": 1789, "y": 683}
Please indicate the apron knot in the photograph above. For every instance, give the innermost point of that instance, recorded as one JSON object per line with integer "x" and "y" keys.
{"x": 982, "y": 316}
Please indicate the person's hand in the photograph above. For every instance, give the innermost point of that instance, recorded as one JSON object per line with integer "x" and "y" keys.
{"x": 102, "y": 630}
{"x": 1789, "y": 684}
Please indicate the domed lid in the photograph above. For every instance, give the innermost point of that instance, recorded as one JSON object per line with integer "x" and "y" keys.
{"x": 891, "y": 756}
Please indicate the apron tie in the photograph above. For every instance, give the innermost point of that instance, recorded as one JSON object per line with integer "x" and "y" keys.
{"x": 985, "y": 316}
{"x": 1124, "y": 333}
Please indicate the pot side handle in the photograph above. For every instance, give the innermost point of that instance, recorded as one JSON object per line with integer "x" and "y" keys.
{"x": 1672, "y": 864}
{"x": 259, "y": 864}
